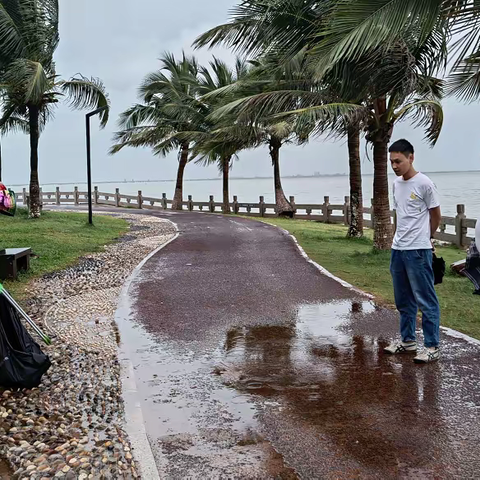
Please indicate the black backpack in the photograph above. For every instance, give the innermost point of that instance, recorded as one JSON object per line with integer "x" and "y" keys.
{"x": 22, "y": 363}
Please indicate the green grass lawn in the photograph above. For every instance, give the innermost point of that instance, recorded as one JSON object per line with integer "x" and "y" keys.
{"x": 58, "y": 239}
{"x": 354, "y": 261}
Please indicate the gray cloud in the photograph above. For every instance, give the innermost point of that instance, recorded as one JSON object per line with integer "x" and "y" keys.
{"x": 121, "y": 41}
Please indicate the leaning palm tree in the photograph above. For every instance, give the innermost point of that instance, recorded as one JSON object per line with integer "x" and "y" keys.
{"x": 396, "y": 76}
{"x": 283, "y": 31}
{"x": 170, "y": 108}
{"x": 29, "y": 85}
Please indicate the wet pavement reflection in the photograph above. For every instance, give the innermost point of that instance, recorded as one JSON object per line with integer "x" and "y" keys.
{"x": 377, "y": 412}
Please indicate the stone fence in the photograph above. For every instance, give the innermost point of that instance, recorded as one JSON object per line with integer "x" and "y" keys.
{"x": 452, "y": 229}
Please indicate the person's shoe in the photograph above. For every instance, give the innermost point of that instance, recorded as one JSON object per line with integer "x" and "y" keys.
{"x": 401, "y": 347}
{"x": 431, "y": 354}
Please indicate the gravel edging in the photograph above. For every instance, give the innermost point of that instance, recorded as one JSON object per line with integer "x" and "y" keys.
{"x": 73, "y": 425}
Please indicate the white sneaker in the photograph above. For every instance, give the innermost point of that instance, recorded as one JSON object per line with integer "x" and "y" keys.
{"x": 401, "y": 347}
{"x": 430, "y": 354}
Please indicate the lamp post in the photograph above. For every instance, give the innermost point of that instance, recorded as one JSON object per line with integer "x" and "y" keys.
{"x": 89, "y": 157}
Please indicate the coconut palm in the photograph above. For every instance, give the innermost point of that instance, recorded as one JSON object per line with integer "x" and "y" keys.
{"x": 216, "y": 144}
{"x": 391, "y": 81}
{"x": 29, "y": 85}
{"x": 170, "y": 107}
{"x": 292, "y": 27}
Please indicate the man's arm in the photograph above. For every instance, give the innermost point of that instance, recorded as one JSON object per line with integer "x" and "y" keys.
{"x": 435, "y": 220}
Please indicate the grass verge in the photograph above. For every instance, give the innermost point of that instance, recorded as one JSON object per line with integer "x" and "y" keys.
{"x": 354, "y": 261}
{"x": 58, "y": 239}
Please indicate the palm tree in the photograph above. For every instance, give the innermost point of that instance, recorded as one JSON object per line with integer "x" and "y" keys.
{"x": 170, "y": 108}
{"x": 29, "y": 85}
{"x": 253, "y": 127}
{"x": 215, "y": 144}
{"x": 292, "y": 26}
{"x": 396, "y": 77}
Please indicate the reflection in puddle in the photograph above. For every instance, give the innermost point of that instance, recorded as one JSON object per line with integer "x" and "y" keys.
{"x": 194, "y": 423}
{"x": 322, "y": 372}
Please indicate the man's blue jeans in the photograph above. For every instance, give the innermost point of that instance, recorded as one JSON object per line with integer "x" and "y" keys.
{"x": 413, "y": 284}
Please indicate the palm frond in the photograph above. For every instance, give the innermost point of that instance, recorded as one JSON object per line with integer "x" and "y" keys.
{"x": 87, "y": 93}
{"x": 138, "y": 115}
{"x": 357, "y": 27}
{"x": 427, "y": 114}
{"x": 464, "y": 80}
{"x": 11, "y": 38}
{"x": 146, "y": 136}
{"x": 15, "y": 124}
{"x": 28, "y": 81}
{"x": 283, "y": 26}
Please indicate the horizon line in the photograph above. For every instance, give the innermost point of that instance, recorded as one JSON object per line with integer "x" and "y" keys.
{"x": 323, "y": 175}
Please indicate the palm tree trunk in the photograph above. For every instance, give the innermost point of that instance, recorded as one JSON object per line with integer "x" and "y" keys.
{"x": 34, "y": 201}
{"x": 226, "y": 192}
{"x": 383, "y": 234}
{"x": 283, "y": 207}
{"x": 356, "y": 195}
{"x": 178, "y": 197}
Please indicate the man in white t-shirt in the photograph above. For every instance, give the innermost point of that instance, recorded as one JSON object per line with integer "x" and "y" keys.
{"x": 417, "y": 206}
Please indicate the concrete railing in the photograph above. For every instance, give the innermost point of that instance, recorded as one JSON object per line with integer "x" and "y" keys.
{"x": 452, "y": 229}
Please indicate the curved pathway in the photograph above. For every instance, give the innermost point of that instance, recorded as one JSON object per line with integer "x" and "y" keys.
{"x": 250, "y": 363}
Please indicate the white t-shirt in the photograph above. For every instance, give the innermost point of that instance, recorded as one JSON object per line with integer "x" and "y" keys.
{"x": 412, "y": 199}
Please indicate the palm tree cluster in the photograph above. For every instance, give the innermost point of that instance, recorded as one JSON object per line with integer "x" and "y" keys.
{"x": 341, "y": 68}
{"x": 30, "y": 87}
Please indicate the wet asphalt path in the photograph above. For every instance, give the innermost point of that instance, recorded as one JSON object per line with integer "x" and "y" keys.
{"x": 250, "y": 363}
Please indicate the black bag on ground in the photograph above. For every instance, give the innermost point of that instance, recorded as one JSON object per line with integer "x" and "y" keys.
{"x": 439, "y": 267}
{"x": 472, "y": 266}
{"x": 22, "y": 363}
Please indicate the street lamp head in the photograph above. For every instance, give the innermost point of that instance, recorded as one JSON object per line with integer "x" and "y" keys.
{"x": 97, "y": 111}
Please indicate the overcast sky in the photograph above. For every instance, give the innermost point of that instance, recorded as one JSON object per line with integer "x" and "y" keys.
{"x": 120, "y": 42}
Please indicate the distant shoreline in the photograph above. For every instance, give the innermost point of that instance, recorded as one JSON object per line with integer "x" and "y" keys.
{"x": 232, "y": 178}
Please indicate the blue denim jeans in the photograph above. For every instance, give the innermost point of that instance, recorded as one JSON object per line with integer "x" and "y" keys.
{"x": 413, "y": 284}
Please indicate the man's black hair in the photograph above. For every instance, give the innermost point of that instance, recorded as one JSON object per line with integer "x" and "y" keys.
{"x": 402, "y": 146}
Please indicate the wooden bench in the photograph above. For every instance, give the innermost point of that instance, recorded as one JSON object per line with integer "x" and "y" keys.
{"x": 14, "y": 260}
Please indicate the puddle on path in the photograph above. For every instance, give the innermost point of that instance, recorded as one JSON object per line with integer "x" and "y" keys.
{"x": 324, "y": 377}
{"x": 196, "y": 425}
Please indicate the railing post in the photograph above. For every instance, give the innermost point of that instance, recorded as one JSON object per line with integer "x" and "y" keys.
{"x": 57, "y": 196}
{"x": 190, "y": 203}
{"x": 140, "y": 199}
{"x": 117, "y": 197}
{"x": 346, "y": 211}
{"x": 292, "y": 203}
{"x": 164, "y": 201}
{"x": 95, "y": 195}
{"x": 211, "y": 204}
{"x": 460, "y": 227}
{"x": 261, "y": 206}
{"x": 326, "y": 211}
{"x": 75, "y": 195}
{"x": 235, "y": 205}
{"x": 26, "y": 201}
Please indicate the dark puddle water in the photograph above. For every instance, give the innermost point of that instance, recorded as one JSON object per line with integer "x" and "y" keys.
{"x": 196, "y": 425}
{"x": 321, "y": 372}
